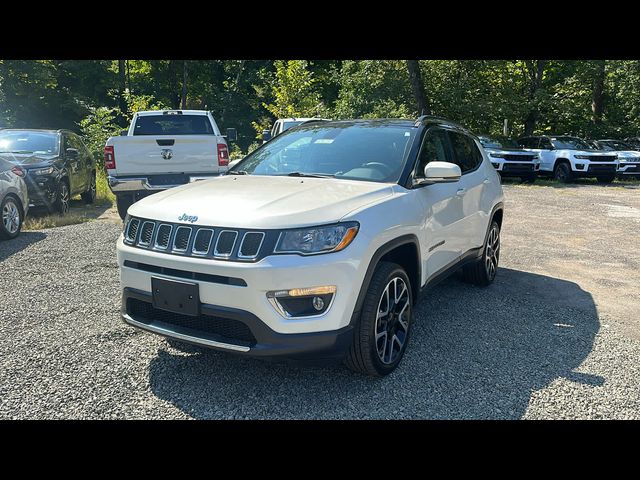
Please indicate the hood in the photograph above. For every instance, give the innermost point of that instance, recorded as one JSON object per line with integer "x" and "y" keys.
{"x": 627, "y": 153}
{"x": 254, "y": 201}
{"x": 27, "y": 160}
{"x": 516, "y": 151}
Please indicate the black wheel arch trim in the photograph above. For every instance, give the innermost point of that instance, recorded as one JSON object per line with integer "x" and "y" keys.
{"x": 408, "y": 239}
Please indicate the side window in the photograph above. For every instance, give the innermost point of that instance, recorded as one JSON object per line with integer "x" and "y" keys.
{"x": 467, "y": 155}
{"x": 74, "y": 142}
{"x": 545, "y": 144}
{"x": 274, "y": 130}
{"x": 434, "y": 149}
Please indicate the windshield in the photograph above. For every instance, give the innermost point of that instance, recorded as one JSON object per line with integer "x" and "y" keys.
{"x": 28, "y": 142}
{"x": 490, "y": 142}
{"x": 288, "y": 125}
{"x": 570, "y": 143}
{"x": 614, "y": 145}
{"x": 173, "y": 124}
{"x": 352, "y": 150}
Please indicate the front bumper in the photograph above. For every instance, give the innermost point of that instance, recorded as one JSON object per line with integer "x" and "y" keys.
{"x": 629, "y": 169}
{"x": 233, "y": 330}
{"x": 137, "y": 184}
{"x": 42, "y": 190}
{"x": 515, "y": 169}
{"x": 275, "y": 334}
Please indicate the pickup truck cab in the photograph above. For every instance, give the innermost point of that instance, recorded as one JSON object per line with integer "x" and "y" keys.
{"x": 564, "y": 158}
{"x": 163, "y": 149}
{"x": 284, "y": 124}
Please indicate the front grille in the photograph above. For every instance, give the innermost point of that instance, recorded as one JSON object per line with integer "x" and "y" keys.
{"x": 519, "y": 158}
{"x": 250, "y": 245}
{"x": 132, "y": 230}
{"x": 601, "y": 158}
{"x": 146, "y": 233}
{"x": 223, "y": 329}
{"x": 602, "y": 168}
{"x": 181, "y": 240}
{"x": 202, "y": 242}
{"x": 225, "y": 243}
{"x": 163, "y": 236}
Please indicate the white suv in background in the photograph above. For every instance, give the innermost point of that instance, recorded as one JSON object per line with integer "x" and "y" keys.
{"x": 628, "y": 156}
{"x": 565, "y": 158}
{"x": 510, "y": 160}
{"x": 317, "y": 244}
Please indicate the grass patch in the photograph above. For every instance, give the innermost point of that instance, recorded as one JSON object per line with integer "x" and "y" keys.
{"x": 51, "y": 221}
{"x": 103, "y": 193}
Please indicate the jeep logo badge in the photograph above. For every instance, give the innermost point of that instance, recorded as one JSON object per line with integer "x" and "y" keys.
{"x": 166, "y": 153}
{"x": 188, "y": 218}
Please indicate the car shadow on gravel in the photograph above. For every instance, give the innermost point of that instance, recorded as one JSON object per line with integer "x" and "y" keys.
{"x": 474, "y": 353}
{"x": 22, "y": 241}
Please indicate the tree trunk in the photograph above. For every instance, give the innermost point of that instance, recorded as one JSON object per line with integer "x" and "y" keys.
{"x": 597, "y": 102}
{"x": 183, "y": 98}
{"x": 417, "y": 87}
{"x": 122, "y": 86}
{"x": 535, "y": 69}
{"x": 231, "y": 90}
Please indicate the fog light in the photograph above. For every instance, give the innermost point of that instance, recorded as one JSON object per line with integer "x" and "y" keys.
{"x": 496, "y": 165}
{"x": 318, "y": 303}
{"x": 302, "y": 302}
{"x": 580, "y": 166}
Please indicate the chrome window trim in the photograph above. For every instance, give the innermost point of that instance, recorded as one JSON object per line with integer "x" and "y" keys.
{"x": 259, "y": 245}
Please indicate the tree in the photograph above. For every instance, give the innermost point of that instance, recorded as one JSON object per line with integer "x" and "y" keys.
{"x": 597, "y": 103}
{"x": 415, "y": 78}
{"x": 294, "y": 91}
{"x": 534, "y": 72}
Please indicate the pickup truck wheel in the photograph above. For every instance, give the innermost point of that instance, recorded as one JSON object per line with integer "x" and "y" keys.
{"x": 563, "y": 173}
{"x": 483, "y": 271}
{"x": 381, "y": 336}
{"x": 10, "y": 218}
{"x": 61, "y": 203}
{"x": 123, "y": 204}
{"x": 90, "y": 195}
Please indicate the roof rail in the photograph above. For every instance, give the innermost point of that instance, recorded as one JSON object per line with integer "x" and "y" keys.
{"x": 435, "y": 119}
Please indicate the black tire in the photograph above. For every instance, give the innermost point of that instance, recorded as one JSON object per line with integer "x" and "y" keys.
{"x": 529, "y": 178}
{"x": 123, "y": 204}
{"x": 11, "y": 217}
{"x": 63, "y": 198}
{"x": 481, "y": 273}
{"x": 364, "y": 354}
{"x": 563, "y": 172}
{"x": 607, "y": 179}
{"x": 90, "y": 195}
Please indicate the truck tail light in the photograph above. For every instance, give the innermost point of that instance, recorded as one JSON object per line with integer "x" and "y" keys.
{"x": 18, "y": 171}
{"x": 109, "y": 158}
{"x": 223, "y": 155}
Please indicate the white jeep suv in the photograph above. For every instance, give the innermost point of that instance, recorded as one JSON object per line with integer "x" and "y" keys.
{"x": 565, "y": 158}
{"x": 318, "y": 244}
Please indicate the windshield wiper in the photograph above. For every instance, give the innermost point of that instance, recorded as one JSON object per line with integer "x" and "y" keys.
{"x": 238, "y": 172}
{"x": 311, "y": 175}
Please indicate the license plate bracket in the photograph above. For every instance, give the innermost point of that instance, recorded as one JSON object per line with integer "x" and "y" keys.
{"x": 176, "y": 296}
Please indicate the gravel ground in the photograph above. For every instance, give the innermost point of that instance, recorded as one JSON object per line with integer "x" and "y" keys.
{"x": 556, "y": 336}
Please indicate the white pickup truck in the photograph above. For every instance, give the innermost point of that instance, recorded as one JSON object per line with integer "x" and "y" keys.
{"x": 163, "y": 149}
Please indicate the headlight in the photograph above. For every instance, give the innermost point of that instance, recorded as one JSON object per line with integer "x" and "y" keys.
{"x": 313, "y": 240}
{"x": 497, "y": 155}
{"x": 42, "y": 171}
{"x": 583, "y": 157}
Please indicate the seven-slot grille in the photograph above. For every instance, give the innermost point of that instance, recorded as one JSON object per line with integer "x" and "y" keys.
{"x": 601, "y": 158}
{"x": 191, "y": 240}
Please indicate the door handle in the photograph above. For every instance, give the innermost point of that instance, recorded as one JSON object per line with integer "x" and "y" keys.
{"x": 461, "y": 192}
{"x": 486, "y": 181}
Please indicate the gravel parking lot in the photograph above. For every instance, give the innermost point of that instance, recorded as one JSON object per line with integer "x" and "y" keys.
{"x": 556, "y": 336}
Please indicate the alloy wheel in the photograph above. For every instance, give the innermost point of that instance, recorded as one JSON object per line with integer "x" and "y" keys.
{"x": 11, "y": 217}
{"x": 492, "y": 252}
{"x": 393, "y": 320}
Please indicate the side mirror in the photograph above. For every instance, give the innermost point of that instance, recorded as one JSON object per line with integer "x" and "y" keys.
{"x": 266, "y": 135}
{"x": 232, "y": 135}
{"x": 72, "y": 153}
{"x": 124, "y": 133}
{"x": 439, "y": 172}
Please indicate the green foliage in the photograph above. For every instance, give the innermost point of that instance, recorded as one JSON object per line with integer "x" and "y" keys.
{"x": 294, "y": 91}
{"x": 96, "y": 128}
